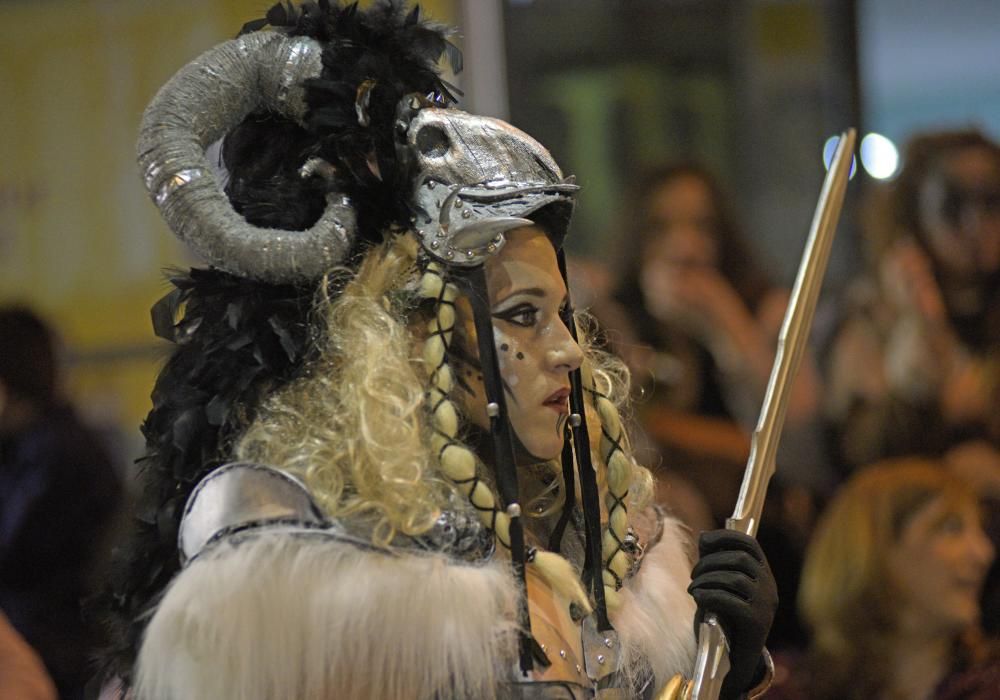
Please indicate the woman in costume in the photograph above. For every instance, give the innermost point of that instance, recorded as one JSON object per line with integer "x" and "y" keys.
{"x": 914, "y": 366}
{"x": 381, "y": 461}
{"x": 891, "y": 589}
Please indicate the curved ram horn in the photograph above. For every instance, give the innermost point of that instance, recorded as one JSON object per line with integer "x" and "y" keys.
{"x": 200, "y": 104}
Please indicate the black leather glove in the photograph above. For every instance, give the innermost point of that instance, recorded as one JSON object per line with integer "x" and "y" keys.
{"x": 733, "y": 580}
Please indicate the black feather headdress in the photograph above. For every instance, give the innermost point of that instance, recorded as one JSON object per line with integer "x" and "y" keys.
{"x": 235, "y": 339}
{"x": 371, "y": 60}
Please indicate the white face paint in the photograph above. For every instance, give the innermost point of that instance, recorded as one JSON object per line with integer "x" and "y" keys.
{"x": 536, "y": 351}
{"x": 507, "y": 369}
{"x": 959, "y": 209}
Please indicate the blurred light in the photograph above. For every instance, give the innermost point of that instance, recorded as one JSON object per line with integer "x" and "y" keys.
{"x": 830, "y": 148}
{"x": 879, "y": 156}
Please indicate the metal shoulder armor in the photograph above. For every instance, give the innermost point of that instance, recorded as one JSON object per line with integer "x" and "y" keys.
{"x": 243, "y": 496}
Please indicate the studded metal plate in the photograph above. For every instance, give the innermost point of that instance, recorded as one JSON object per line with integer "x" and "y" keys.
{"x": 601, "y": 650}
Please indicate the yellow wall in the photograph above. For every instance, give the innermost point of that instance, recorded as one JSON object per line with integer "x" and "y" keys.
{"x": 79, "y": 238}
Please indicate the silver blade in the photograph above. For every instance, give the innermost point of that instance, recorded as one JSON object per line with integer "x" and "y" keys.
{"x": 792, "y": 340}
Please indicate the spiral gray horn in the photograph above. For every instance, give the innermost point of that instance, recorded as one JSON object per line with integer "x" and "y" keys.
{"x": 200, "y": 104}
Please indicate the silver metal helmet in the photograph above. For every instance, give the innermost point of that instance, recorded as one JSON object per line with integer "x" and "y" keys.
{"x": 473, "y": 178}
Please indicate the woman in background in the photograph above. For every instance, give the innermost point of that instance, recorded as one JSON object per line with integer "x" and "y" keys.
{"x": 890, "y": 590}
{"x": 914, "y": 366}
{"x": 22, "y": 674}
{"x": 697, "y": 322}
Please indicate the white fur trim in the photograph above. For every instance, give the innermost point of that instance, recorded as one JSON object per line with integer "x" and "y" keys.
{"x": 282, "y": 618}
{"x": 656, "y": 618}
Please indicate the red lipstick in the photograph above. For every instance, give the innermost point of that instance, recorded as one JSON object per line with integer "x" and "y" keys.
{"x": 557, "y": 401}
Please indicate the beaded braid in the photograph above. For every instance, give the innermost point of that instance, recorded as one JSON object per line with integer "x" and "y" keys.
{"x": 459, "y": 463}
{"x": 617, "y": 557}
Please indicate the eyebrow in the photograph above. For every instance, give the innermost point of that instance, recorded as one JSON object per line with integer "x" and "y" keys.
{"x": 528, "y": 291}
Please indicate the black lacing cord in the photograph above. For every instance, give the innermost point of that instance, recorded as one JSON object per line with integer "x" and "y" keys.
{"x": 569, "y": 492}
{"x": 591, "y": 498}
{"x": 617, "y": 501}
{"x": 503, "y": 446}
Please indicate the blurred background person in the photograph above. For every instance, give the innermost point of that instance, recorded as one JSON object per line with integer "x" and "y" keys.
{"x": 22, "y": 674}
{"x": 59, "y": 497}
{"x": 915, "y": 365}
{"x": 697, "y": 321}
{"x": 890, "y": 591}
{"x": 980, "y": 471}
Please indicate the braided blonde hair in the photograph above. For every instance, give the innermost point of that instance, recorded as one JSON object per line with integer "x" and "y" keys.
{"x": 458, "y": 463}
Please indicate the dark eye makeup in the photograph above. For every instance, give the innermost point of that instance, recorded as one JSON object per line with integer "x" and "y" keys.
{"x": 524, "y": 314}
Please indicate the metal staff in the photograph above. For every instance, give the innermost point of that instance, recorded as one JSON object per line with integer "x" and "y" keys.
{"x": 712, "y": 663}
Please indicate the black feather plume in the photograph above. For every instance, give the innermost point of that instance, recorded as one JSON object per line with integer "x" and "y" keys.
{"x": 382, "y": 53}
{"x": 236, "y": 341}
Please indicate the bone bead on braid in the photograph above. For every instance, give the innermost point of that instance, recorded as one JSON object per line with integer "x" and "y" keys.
{"x": 460, "y": 464}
